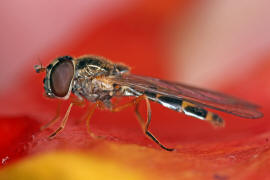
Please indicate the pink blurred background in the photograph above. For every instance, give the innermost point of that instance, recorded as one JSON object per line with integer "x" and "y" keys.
{"x": 200, "y": 41}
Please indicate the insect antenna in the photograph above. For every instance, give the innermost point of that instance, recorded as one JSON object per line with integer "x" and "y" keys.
{"x": 39, "y": 67}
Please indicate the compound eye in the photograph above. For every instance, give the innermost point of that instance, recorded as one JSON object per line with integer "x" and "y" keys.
{"x": 61, "y": 76}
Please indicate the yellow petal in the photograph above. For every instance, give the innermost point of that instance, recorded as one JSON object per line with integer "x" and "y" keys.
{"x": 68, "y": 166}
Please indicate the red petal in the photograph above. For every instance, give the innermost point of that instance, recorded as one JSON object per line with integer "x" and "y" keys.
{"x": 240, "y": 150}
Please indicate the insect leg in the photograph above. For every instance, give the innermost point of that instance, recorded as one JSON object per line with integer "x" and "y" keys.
{"x": 90, "y": 112}
{"x": 78, "y": 102}
{"x": 54, "y": 120}
{"x": 101, "y": 105}
{"x": 145, "y": 126}
{"x": 200, "y": 113}
{"x": 131, "y": 103}
{"x": 63, "y": 122}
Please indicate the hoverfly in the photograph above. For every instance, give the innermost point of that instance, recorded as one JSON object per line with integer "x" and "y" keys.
{"x": 96, "y": 79}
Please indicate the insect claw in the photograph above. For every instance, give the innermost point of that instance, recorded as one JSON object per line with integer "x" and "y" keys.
{"x": 54, "y": 134}
{"x": 96, "y": 137}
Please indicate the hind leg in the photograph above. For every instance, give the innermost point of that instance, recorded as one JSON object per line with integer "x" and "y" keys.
{"x": 145, "y": 125}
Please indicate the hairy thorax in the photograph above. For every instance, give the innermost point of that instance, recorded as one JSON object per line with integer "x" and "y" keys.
{"x": 91, "y": 78}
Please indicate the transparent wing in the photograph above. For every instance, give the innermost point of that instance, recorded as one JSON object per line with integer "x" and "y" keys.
{"x": 201, "y": 97}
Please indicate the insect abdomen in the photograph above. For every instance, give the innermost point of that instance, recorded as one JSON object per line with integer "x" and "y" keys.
{"x": 187, "y": 108}
{"x": 171, "y": 103}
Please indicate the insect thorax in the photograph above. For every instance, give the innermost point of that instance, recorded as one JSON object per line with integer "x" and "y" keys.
{"x": 90, "y": 79}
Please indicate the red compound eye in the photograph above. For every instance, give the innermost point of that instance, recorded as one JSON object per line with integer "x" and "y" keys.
{"x": 61, "y": 76}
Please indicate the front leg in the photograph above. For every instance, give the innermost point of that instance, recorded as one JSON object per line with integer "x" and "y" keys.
{"x": 75, "y": 101}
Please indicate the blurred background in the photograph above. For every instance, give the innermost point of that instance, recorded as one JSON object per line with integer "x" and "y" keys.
{"x": 219, "y": 45}
{"x": 193, "y": 42}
